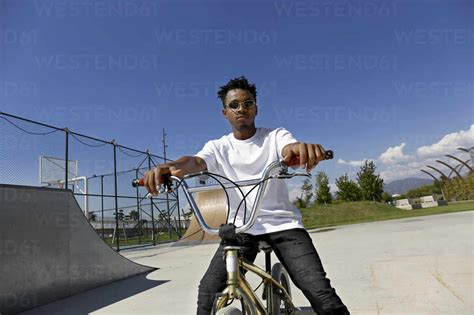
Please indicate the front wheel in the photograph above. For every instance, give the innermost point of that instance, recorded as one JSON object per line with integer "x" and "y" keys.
{"x": 280, "y": 304}
{"x": 229, "y": 310}
{"x": 247, "y": 307}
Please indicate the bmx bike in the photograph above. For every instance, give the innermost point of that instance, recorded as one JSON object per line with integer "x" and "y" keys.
{"x": 275, "y": 279}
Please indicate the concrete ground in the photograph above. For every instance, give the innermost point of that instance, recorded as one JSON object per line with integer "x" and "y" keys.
{"x": 420, "y": 265}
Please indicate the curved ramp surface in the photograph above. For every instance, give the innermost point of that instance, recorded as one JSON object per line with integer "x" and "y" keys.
{"x": 213, "y": 206}
{"x": 48, "y": 249}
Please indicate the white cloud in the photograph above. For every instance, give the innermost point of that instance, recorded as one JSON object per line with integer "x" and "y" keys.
{"x": 395, "y": 172}
{"x": 413, "y": 168}
{"x": 394, "y": 155}
{"x": 448, "y": 144}
{"x": 353, "y": 163}
{"x": 395, "y": 164}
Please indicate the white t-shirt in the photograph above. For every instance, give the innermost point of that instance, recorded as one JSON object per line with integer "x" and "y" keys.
{"x": 246, "y": 159}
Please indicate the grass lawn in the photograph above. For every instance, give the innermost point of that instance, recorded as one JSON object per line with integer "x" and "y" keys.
{"x": 318, "y": 216}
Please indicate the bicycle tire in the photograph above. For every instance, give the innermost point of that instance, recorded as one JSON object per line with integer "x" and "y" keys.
{"x": 248, "y": 308}
{"x": 281, "y": 276}
{"x": 229, "y": 310}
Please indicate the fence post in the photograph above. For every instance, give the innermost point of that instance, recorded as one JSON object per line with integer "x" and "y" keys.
{"x": 170, "y": 229}
{"x": 102, "y": 202}
{"x": 179, "y": 222}
{"x": 117, "y": 234}
{"x": 138, "y": 210}
{"x": 66, "y": 167}
{"x": 151, "y": 206}
{"x": 179, "y": 215}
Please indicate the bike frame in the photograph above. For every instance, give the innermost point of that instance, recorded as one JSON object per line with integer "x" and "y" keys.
{"x": 238, "y": 287}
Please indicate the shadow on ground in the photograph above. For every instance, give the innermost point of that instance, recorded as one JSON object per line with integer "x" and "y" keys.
{"x": 93, "y": 300}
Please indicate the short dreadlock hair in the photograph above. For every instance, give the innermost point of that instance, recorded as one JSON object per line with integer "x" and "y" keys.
{"x": 237, "y": 83}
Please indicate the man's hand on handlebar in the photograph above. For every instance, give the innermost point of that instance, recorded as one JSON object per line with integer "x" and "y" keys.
{"x": 156, "y": 177}
{"x": 306, "y": 155}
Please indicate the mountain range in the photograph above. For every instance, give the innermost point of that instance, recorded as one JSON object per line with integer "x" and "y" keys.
{"x": 403, "y": 185}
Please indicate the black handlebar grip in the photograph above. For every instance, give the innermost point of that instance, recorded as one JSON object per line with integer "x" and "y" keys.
{"x": 295, "y": 161}
{"x": 138, "y": 182}
{"x": 329, "y": 155}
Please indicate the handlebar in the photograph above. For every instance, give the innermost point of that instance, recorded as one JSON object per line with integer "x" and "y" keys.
{"x": 282, "y": 173}
{"x": 328, "y": 155}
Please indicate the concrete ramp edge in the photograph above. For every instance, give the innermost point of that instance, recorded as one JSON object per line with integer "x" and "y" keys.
{"x": 48, "y": 249}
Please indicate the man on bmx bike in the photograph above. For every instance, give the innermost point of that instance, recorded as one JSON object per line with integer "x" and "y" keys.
{"x": 244, "y": 154}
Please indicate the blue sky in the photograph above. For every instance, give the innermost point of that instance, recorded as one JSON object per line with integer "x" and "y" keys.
{"x": 368, "y": 79}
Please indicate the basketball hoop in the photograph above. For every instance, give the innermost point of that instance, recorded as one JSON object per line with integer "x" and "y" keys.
{"x": 52, "y": 170}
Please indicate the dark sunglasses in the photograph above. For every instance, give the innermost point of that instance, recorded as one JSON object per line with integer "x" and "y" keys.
{"x": 248, "y": 104}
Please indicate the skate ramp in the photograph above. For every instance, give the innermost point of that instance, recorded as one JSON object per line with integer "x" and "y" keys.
{"x": 213, "y": 206}
{"x": 48, "y": 250}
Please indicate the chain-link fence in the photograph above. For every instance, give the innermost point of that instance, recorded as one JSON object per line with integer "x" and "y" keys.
{"x": 99, "y": 173}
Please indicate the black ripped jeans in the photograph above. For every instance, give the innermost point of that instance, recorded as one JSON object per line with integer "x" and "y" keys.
{"x": 296, "y": 252}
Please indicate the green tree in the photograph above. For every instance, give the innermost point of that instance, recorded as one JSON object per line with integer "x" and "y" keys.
{"x": 187, "y": 215}
{"x": 348, "y": 189}
{"x": 134, "y": 215}
{"x": 92, "y": 217}
{"x": 120, "y": 216}
{"x": 306, "y": 192}
{"x": 371, "y": 185}
{"x": 323, "y": 192}
{"x": 386, "y": 197}
{"x": 425, "y": 190}
{"x": 459, "y": 189}
{"x": 299, "y": 203}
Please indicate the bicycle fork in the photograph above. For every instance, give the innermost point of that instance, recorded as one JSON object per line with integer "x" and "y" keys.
{"x": 233, "y": 271}
{"x": 237, "y": 285}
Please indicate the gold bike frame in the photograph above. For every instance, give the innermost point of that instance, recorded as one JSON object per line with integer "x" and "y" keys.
{"x": 238, "y": 287}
